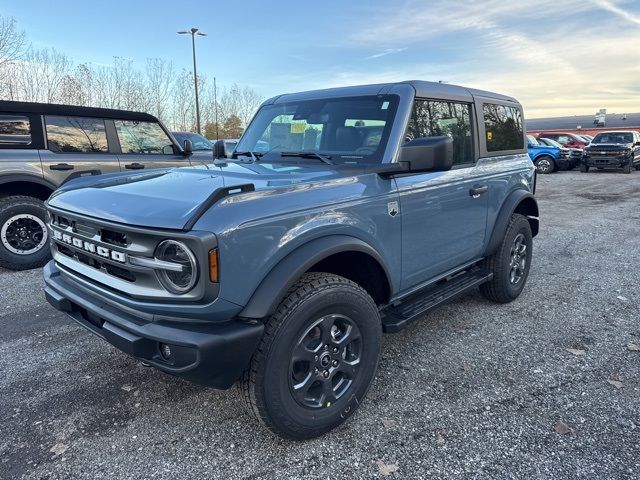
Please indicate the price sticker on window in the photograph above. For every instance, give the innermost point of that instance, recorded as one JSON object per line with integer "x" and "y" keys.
{"x": 489, "y": 135}
{"x": 298, "y": 127}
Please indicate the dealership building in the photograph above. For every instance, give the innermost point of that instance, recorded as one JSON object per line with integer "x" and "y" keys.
{"x": 585, "y": 124}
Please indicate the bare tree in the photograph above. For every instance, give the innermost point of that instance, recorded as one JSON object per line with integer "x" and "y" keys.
{"x": 183, "y": 102}
{"x": 12, "y": 41}
{"x": 159, "y": 80}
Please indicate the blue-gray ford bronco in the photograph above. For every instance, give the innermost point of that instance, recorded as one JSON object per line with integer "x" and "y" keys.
{"x": 341, "y": 214}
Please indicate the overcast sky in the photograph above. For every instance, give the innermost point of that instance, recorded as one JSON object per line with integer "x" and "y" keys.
{"x": 557, "y": 57}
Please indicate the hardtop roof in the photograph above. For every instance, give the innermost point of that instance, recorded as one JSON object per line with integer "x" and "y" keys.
{"x": 7, "y": 106}
{"x": 422, "y": 89}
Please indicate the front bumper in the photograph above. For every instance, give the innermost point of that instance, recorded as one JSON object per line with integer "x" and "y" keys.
{"x": 212, "y": 354}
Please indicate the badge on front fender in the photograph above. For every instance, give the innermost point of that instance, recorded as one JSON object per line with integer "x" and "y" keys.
{"x": 392, "y": 208}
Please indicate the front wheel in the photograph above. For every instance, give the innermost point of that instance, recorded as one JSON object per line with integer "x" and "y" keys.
{"x": 545, "y": 164}
{"x": 627, "y": 168}
{"x": 584, "y": 168}
{"x": 23, "y": 233}
{"x": 317, "y": 357}
{"x": 511, "y": 263}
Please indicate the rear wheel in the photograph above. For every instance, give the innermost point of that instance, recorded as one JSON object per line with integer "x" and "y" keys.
{"x": 23, "y": 233}
{"x": 511, "y": 263}
{"x": 545, "y": 164}
{"x": 316, "y": 359}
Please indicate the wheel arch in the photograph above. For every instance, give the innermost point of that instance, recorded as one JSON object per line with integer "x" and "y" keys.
{"x": 519, "y": 201}
{"x": 336, "y": 254}
{"x": 25, "y": 185}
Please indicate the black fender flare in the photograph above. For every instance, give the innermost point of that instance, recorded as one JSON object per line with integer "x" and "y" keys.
{"x": 274, "y": 286}
{"x": 12, "y": 178}
{"x": 509, "y": 206}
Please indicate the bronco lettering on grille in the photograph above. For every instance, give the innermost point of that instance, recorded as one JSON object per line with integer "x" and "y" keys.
{"x": 90, "y": 247}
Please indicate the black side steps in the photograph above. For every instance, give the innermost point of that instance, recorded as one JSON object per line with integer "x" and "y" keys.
{"x": 398, "y": 317}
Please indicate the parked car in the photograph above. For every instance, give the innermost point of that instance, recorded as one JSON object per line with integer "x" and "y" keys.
{"x": 572, "y": 155}
{"x": 546, "y": 159}
{"x": 616, "y": 149}
{"x": 566, "y": 139}
{"x": 44, "y": 145}
{"x": 588, "y": 138}
{"x": 199, "y": 143}
{"x": 282, "y": 269}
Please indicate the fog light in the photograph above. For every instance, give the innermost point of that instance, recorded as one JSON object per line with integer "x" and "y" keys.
{"x": 165, "y": 351}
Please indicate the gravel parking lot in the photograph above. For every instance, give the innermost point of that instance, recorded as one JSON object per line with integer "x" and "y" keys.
{"x": 545, "y": 387}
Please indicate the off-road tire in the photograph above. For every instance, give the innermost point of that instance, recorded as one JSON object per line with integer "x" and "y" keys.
{"x": 584, "y": 168}
{"x": 266, "y": 384}
{"x": 22, "y": 205}
{"x": 500, "y": 289}
{"x": 546, "y": 170}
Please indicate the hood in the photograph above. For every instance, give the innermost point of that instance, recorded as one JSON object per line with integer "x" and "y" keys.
{"x": 596, "y": 146}
{"x": 169, "y": 198}
{"x": 544, "y": 148}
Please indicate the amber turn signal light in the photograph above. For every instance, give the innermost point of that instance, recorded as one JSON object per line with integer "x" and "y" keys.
{"x": 213, "y": 265}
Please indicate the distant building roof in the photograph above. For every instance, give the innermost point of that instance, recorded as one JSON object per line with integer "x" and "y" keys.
{"x": 613, "y": 120}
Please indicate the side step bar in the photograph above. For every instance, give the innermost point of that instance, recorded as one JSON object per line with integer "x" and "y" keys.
{"x": 398, "y": 317}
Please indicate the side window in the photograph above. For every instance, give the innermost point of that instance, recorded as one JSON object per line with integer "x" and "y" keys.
{"x": 76, "y": 135}
{"x": 564, "y": 139}
{"x": 143, "y": 137}
{"x": 14, "y": 130}
{"x": 503, "y": 127}
{"x": 433, "y": 118}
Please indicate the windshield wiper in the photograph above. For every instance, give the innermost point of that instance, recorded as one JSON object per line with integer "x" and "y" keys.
{"x": 323, "y": 158}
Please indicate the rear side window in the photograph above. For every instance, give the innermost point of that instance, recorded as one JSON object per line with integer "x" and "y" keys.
{"x": 76, "y": 135}
{"x": 503, "y": 127}
{"x": 143, "y": 137}
{"x": 431, "y": 118}
{"x": 14, "y": 130}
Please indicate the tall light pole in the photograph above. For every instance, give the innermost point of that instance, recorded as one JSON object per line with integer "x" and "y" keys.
{"x": 193, "y": 32}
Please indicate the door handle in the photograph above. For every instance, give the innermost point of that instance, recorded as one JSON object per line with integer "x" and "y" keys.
{"x": 134, "y": 166}
{"x": 61, "y": 166}
{"x": 478, "y": 190}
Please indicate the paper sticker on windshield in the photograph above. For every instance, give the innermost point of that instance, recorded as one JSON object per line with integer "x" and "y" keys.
{"x": 385, "y": 105}
{"x": 489, "y": 135}
{"x": 298, "y": 127}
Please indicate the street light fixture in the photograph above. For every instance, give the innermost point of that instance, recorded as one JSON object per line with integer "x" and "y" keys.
{"x": 193, "y": 32}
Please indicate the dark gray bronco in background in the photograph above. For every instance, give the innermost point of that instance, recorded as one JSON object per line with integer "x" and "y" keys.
{"x": 340, "y": 215}
{"x": 44, "y": 145}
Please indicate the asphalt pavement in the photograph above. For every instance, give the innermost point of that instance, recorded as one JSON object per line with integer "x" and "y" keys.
{"x": 545, "y": 387}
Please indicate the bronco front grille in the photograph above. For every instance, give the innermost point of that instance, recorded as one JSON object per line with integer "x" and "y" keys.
{"x": 120, "y": 257}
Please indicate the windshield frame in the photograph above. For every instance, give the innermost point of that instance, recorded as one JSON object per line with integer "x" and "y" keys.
{"x": 345, "y": 158}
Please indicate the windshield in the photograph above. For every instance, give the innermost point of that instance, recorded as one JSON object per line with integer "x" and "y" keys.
{"x": 349, "y": 130}
{"x": 613, "y": 137}
{"x": 532, "y": 140}
{"x": 199, "y": 142}
{"x": 552, "y": 143}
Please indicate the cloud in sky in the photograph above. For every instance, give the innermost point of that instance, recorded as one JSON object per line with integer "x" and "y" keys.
{"x": 555, "y": 57}
{"x": 385, "y": 52}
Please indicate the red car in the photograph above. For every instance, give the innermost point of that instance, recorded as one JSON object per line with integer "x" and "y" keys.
{"x": 569, "y": 140}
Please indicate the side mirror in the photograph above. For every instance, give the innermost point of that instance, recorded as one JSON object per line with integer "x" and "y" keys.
{"x": 428, "y": 154}
{"x": 219, "y": 150}
{"x": 187, "y": 148}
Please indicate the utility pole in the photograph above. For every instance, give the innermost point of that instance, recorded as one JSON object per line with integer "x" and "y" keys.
{"x": 193, "y": 32}
{"x": 215, "y": 106}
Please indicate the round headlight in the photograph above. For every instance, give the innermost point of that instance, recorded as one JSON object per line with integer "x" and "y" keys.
{"x": 179, "y": 254}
